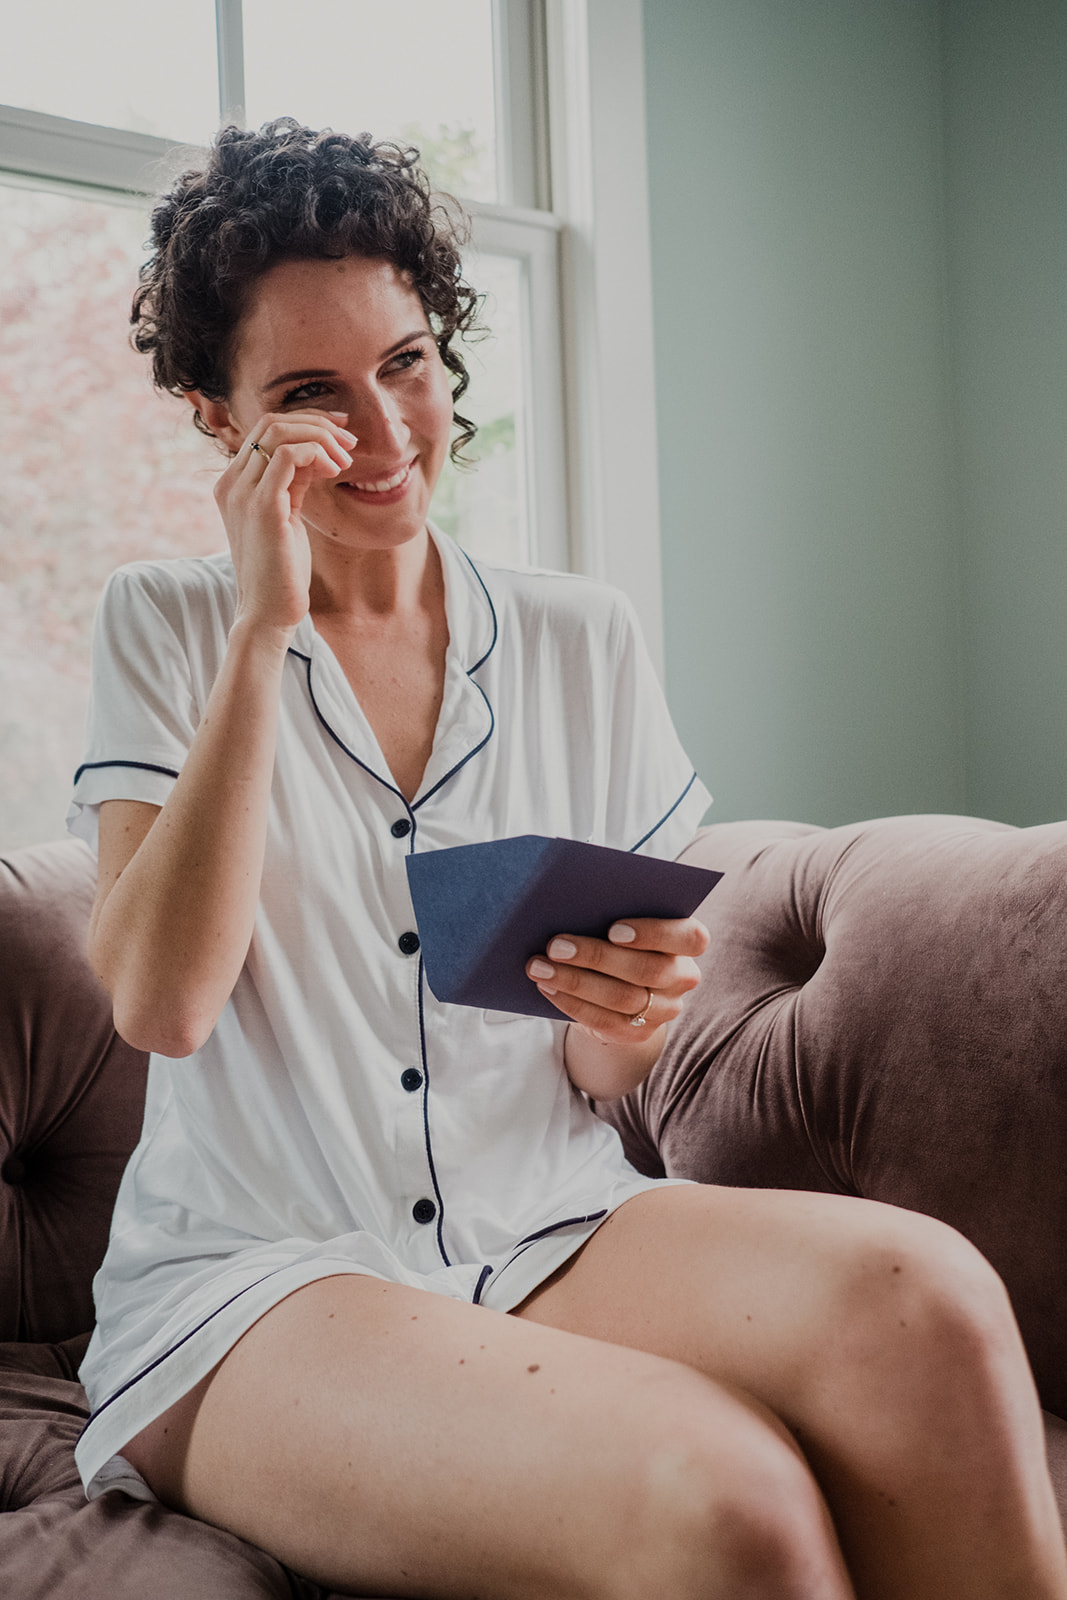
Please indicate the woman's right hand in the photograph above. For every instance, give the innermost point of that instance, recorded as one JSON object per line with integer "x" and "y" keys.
{"x": 259, "y": 497}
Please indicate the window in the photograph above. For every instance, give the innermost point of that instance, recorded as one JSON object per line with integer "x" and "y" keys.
{"x": 101, "y": 469}
{"x": 564, "y": 393}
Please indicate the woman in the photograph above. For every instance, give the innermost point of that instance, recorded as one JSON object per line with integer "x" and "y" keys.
{"x": 382, "y": 1295}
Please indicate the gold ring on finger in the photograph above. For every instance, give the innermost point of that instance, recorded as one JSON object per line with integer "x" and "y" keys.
{"x": 254, "y": 444}
{"x": 639, "y": 1018}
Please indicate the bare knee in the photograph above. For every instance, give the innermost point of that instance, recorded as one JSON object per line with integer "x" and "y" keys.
{"x": 918, "y": 1315}
{"x": 738, "y": 1517}
{"x": 766, "y": 1534}
{"x": 925, "y": 1278}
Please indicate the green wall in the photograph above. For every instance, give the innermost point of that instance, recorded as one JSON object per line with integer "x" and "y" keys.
{"x": 863, "y": 556}
{"x": 1006, "y": 81}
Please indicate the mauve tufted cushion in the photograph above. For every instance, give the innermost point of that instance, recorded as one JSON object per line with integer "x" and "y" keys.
{"x": 899, "y": 1038}
{"x": 71, "y": 1096}
{"x": 61, "y": 1547}
{"x": 884, "y": 1013}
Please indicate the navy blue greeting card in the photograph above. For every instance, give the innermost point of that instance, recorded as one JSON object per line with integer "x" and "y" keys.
{"x": 483, "y": 909}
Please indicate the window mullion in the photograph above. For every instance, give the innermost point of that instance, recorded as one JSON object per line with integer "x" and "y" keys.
{"x": 229, "y": 28}
{"x": 521, "y": 131}
{"x": 600, "y": 195}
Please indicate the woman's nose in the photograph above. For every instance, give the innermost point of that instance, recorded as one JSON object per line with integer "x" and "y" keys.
{"x": 377, "y": 422}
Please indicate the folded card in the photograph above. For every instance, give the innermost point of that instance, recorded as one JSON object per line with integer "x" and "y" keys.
{"x": 483, "y": 910}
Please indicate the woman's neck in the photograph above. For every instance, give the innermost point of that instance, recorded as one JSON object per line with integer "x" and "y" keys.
{"x": 376, "y": 586}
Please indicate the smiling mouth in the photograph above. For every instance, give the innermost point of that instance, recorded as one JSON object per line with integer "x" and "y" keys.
{"x": 383, "y": 485}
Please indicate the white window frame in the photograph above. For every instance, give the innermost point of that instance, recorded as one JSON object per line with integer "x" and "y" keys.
{"x": 580, "y": 232}
{"x": 596, "y": 97}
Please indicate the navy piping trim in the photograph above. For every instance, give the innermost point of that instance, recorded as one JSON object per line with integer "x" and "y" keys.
{"x": 459, "y": 764}
{"x": 476, "y": 1297}
{"x": 142, "y": 766}
{"x": 152, "y": 1365}
{"x": 665, "y": 815}
{"x": 470, "y": 674}
{"x": 554, "y": 1227}
{"x": 426, "y": 1127}
{"x": 492, "y": 611}
{"x": 470, "y": 753}
{"x": 339, "y": 741}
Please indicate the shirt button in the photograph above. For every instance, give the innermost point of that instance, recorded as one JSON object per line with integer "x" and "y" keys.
{"x": 400, "y": 827}
{"x": 424, "y": 1211}
{"x": 411, "y": 1079}
{"x": 409, "y": 943}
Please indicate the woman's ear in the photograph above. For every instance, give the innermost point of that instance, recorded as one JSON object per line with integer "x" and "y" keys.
{"x": 216, "y": 414}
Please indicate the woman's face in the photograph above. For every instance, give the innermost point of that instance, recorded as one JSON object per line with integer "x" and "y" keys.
{"x": 352, "y": 336}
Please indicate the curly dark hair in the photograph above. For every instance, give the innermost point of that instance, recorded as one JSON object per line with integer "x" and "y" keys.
{"x": 289, "y": 192}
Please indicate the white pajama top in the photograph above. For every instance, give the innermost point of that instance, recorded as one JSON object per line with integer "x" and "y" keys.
{"x": 340, "y": 1118}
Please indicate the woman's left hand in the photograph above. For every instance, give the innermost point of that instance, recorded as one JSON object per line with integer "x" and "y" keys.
{"x": 646, "y": 965}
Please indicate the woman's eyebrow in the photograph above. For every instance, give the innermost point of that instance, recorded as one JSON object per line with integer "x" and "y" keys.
{"x": 420, "y": 333}
{"x": 330, "y": 372}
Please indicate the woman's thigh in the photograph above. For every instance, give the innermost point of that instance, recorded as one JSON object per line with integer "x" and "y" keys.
{"x": 880, "y": 1337}
{"x": 751, "y": 1285}
{"x": 383, "y": 1440}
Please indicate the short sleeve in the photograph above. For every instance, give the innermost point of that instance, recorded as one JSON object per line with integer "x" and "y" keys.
{"x": 656, "y": 801}
{"x": 143, "y": 711}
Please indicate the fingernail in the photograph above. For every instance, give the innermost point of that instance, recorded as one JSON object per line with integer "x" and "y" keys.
{"x": 544, "y": 989}
{"x": 344, "y": 433}
{"x": 540, "y": 969}
{"x": 342, "y": 414}
{"x": 622, "y": 933}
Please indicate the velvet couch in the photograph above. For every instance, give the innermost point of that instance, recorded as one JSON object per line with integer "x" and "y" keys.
{"x": 884, "y": 1014}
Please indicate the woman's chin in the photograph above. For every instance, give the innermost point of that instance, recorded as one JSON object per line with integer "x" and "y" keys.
{"x": 379, "y": 533}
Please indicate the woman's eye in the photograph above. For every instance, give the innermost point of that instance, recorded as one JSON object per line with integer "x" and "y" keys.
{"x": 304, "y": 392}
{"x": 408, "y": 358}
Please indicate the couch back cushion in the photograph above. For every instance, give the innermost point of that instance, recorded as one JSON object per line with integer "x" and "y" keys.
{"x": 71, "y": 1096}
{"x": 884, "y": 1013}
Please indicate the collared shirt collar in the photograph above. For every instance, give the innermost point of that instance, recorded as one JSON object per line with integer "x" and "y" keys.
{"x": 465, "y": 721}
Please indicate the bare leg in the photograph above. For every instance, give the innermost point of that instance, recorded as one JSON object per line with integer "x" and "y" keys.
{"x": 882, "y": 1339}
{"x": 388, "y": 1441}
